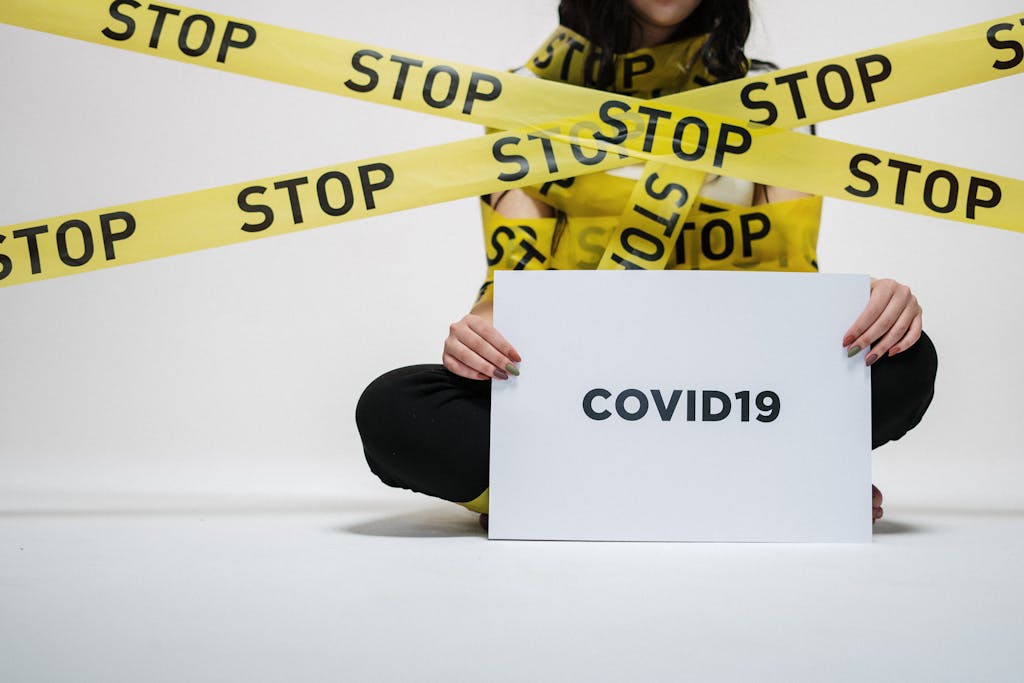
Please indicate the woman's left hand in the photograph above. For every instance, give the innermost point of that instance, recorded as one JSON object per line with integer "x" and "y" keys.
{"x": 891, "y": 322}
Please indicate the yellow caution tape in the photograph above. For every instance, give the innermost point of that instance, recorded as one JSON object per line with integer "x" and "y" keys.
{"x": 719, "y": 129}
{"x": 781, "y": 236}
{"x": 660, "y": 201}
{"x": 791, "y": 97}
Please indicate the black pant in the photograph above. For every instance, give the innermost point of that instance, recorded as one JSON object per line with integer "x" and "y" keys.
{"x": 428, "y": 430}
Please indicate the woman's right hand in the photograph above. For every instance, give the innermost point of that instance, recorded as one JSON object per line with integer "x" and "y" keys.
{"x": 475, "y": 350}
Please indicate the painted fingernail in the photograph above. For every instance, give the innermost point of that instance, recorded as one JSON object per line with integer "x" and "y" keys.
{"x": 847, "y": 340}
{"x": 853, "y": 351}
{"x": 498, "y": 374}
{"x": 512, "y": 370}
{"x": 872, "y": 358}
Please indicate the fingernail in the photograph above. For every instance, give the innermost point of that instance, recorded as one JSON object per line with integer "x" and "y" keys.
{"x": 854, "y": 350}
{"x": 872, "y": 358}
{"x": 847, "y": 340}
{"x": 498, "y": 374}
{"x": 512, "y": 370}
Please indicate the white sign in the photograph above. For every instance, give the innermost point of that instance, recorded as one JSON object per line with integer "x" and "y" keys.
{"x": 681, "y": 406}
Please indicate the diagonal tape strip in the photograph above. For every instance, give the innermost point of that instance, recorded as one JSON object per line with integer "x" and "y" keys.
{"x": 74, "y": 240}
{"x": 236, "y": 213}
{"x": 788, "y": 98}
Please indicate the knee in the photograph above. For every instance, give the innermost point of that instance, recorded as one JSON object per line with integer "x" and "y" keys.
{"x": 925, "y": 362}
{"x": 374, "y": 418}
{"x": 902, "y": 388}
{"x": 367, "y": 407}
{"x": 921, "y": 364}
{"x": 386, "y": 416}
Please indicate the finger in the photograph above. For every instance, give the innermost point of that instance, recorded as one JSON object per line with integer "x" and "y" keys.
{"x": 461, "y": 369}
{"x": 494, "y": 338}
{"x": 484, "y": 349}
{"x": 879, "y": 299}
{"x": 469, "y": 357}
{"x": 455, "y": 349}
{"x": 457, "y": 366}
{"x": 895, "y": 333}
{"x": 898, "y": 302}
{"x": 910, "y": 338}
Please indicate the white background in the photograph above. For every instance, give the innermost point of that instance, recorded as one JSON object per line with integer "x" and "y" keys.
{"x": 237, "y": 370}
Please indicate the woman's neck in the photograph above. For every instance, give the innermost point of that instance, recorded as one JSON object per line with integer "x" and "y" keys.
{"x": 646, "y": 35}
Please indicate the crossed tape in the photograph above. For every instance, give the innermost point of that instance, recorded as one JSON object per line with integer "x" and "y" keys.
{"x": 551, "y": 131}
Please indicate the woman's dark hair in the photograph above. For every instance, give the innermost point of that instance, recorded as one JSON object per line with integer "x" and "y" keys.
{"x": 609, "y": 24}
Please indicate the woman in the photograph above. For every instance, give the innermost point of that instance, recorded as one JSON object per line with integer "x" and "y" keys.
{"x": 426, "y": 427}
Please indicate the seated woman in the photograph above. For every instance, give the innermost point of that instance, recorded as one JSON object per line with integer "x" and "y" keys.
{"x": 427, "y": 427}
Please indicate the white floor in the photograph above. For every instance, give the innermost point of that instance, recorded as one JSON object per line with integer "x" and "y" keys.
{"x": 394, "y": 587}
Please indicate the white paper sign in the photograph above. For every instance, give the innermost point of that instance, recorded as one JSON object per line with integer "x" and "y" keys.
{"x": 681, "y": 406}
